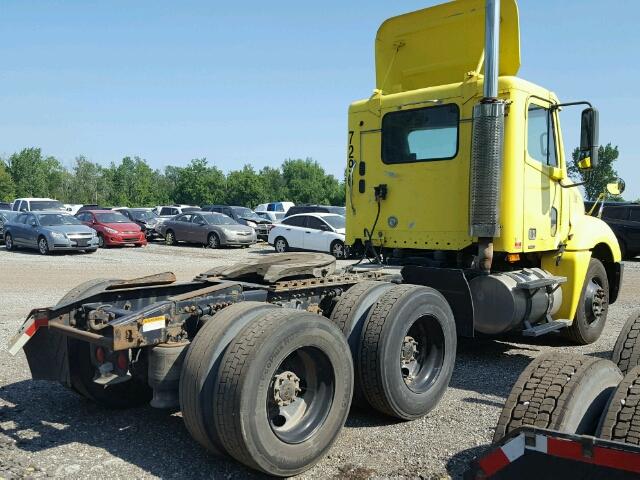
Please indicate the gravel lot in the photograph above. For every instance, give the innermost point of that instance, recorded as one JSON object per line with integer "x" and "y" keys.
{"x": 46, "y": 430}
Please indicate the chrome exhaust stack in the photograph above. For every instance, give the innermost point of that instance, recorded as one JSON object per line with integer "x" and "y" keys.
{"x": 487, "y": 147}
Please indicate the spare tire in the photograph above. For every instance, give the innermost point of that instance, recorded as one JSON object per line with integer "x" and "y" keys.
{"x": 561, "y": 391}
{"x": 621, "y": 419}
{"x": 626, "y": 353}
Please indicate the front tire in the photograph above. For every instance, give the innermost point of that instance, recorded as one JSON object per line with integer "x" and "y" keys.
{"x": 284, "y": 392}
{"x": 43, "y": 246}
{"x": 213, "y": 241}
{"x": 407, "y": 351}
{"x": 170, "y": 238}
{"x": 338, "y": 250}
{"x": 100, "y": 241}
{"x": 593, "y": 307}
{"x": 281, "y": 245}
{"x": 8, "y": 242}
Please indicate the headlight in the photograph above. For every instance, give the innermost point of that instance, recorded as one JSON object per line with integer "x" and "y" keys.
{"x": 110, "y": 230}
{"x": 251, "y": 224}
{"x": 59, "y": 235}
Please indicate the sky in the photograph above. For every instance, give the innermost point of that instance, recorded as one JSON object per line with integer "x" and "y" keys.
{"x": 259, "y": 82}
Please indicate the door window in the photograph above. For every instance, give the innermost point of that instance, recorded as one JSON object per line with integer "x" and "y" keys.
{"x": 541, "y": 140}
{"x": 315, "y": 223}
{"x": 184, "y": 218}
{"x": 198, "y": 220}
{"x": 298, "y": 221}
{"x": 22, "y": 218}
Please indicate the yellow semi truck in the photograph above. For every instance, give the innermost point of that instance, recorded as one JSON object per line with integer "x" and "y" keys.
{"x": 457, "y": 168}
{"x": 458, "y": 177}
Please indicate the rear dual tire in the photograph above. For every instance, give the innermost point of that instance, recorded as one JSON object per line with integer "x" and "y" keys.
{"x": 275, "y": 394}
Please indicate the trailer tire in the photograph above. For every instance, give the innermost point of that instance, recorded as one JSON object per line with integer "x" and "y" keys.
{"x": 626, "y": 353}
{"x": 129, "y": 394}
{"x": 349, "y": 314}
{"x": 200, "y": 369}
{"x": 284, "y": 393}
{"x": 593, "y": 306}
{"x": 621, "y": 419}
{"x": 560, "y": 391}
{"x": 407, "y": 351}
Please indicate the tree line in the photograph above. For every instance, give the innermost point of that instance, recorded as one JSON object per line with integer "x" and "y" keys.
{"x": 132, "y": 182}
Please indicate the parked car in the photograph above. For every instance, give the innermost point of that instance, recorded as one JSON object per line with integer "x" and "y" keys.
{"x": 5, "y": 206}
{"x": 145, "y": 218}
{"x": 49, "y": 231}
{"x": 624, "y": 220}
{"x": 244, "y": 216}
{"x": 6, "y": 216}
{"x": 321, "y": 232}
{"x": 33, "y": 204}
{"x": 72, "y": 208}
{"x": 275, "y": 210}
{"x": 113, "y": 228}
{"x": 207, "y": 228}
{"x": 91, "y": 206}
{"x": 168, "y": 211}
{"x": 296, "y": 209}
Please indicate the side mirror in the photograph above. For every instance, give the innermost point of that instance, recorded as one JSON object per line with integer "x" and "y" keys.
{"x": 34, "y": 223}
{"x": 588, "y": 157}
{"x": 617, "y": 187}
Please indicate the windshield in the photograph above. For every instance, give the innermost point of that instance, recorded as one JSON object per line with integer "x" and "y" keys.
{"x": 53, "y": 219}
{"x": 111, "y": 217}
{"x": 45, "y": 205}
{"x": 143, "y": 215}
{"x": 219, "y": 219}
{"x": 336, "y": 221}
{"x": 247, "y": 214}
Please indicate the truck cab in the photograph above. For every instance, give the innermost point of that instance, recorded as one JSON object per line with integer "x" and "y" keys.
{"x": 410, "y": 192}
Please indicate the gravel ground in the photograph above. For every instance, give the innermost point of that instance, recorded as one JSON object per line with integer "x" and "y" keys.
{"x": 46, "y": 430}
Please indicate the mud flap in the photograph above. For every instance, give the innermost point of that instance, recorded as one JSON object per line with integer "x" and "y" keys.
{"x": 48, "y": 356}
{"x": 453, "y": 285}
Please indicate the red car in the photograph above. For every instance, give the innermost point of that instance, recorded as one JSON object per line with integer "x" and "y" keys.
{"x": 113, "y": 228}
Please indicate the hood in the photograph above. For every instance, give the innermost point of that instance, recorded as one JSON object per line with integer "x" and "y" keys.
{"x": 69, "y": 229}
{"x": 341, "y": 231}
{"x": 123, "y": 227}
{"x": 237, "y": 228}
{"x": 255, "y": 220}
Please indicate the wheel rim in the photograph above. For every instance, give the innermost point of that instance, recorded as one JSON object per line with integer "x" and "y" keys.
{"x": 300, "y": 395}
{"x": 8, "y": 241}
{"x": 100, "y": 241}
{"x": 43, "y": 245}
{"x": 281, "y": 246}
{"x": 213, "y": 241}
{"x": 595, "y": 301}
{"x": 422, "y": 354}
{"x": 338, "y": 250}
{"x": 170, "y": 238}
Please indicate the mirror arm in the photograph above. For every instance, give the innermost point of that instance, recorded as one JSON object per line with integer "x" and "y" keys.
{"x": 572, "y": 185}
{"x": 555, "y": 106}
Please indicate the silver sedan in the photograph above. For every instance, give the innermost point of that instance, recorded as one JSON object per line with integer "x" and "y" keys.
{"x": 211, "y": 229}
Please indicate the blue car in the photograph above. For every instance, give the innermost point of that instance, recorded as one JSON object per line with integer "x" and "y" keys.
{"x": 5, "y": 217}
{"x": 48, "y": 232}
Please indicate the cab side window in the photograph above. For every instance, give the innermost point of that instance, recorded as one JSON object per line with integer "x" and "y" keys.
{"x": 541, "y": 140}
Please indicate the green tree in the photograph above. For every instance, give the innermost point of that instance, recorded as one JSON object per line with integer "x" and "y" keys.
{"x": 273, "y": 185}
{"x": 35, "y": 175}
{"x": 305, "y": 181}
{"x": 597, "y": 178}
{"x": 199, "y": 184}
{"x": 244, "y": 187}
{"x": 7, "y": 187}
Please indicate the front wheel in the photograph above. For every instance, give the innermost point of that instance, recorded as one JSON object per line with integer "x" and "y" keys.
{"x": 100, "y": 241}
{"x": 8, "y": 242}
{"x": 213, "y": 241}
{"x": 337, "y": 249}
{"x": 593, "y": 306}
{"x": 170, "y": 238}
{"x": 281, "y": 245}
{"x": 43, "y": 246}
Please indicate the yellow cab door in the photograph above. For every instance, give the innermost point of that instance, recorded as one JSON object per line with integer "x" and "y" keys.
{"x": 543, "y": 194}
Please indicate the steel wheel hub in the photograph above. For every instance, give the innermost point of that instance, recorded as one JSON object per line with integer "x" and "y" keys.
{"x": 596, "y": 300}
{"x": 286, "y": 387}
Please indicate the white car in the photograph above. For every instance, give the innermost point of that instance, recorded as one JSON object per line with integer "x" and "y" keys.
{"x": 274, "y": 211}
{"x": 319, "y": 232}
{"x": 34, "y": 204}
